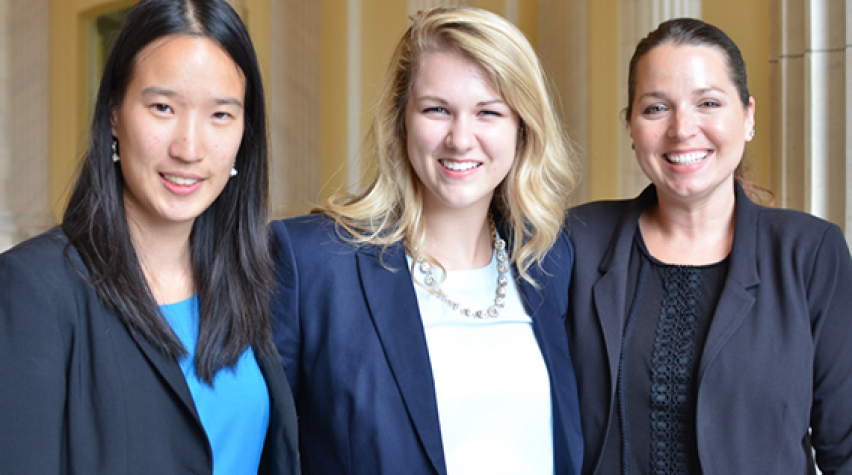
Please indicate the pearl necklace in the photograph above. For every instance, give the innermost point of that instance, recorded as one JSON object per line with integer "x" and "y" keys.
{"x": 433, "y": 285}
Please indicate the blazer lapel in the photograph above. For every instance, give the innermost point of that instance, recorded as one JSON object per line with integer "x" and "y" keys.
{"x": 736, "y": 299}
{"x": 167, "y": 367}
{"x": 393, "y": 307}
{"x": 609, "y": 293}
{"x": 169, "y": 370}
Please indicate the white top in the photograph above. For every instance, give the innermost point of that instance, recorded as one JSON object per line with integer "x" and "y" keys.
{"x": 491, "y": 382}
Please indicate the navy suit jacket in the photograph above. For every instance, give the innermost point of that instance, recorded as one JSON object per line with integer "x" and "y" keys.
{"x": 354, "y": 350}
{"x": 778, "y": 356}
{"x": 81, "y": 394}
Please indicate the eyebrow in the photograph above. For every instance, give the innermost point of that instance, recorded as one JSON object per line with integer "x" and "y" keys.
{"x": 443, "y": 101}
{"x": 697, "y": 92}
{"x": 219, "y": 101}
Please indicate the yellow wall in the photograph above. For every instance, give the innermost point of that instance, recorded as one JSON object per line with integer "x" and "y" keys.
{"x": 332, "y": 97}
{"x": 750, "y": 30}
{"x": 603, "y": 107}
{"x": 69, "y": 95}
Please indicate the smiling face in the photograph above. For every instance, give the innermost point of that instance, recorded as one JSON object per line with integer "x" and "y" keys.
{"x": 689, "y": 126}
{"x": 179, "y": 127}
{"x": 462, "y": 136}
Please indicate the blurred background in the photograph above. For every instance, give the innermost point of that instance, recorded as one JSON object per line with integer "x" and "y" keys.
{"x": 323, "y": 61}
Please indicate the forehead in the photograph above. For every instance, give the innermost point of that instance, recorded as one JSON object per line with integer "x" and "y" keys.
{"x": 450, "y": 70}
{"x": 675, "y": 62}
{"x": 187, "y": 58}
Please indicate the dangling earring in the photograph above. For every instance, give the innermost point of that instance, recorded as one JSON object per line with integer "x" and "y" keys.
{"x": 234, "y": 171}
{"x": 115, "y": 157}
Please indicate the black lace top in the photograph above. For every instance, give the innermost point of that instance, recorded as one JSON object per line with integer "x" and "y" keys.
{"x": 652, "y": 429}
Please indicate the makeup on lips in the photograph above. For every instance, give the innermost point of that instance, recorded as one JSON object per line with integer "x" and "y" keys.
{"x": 181, "y": 184}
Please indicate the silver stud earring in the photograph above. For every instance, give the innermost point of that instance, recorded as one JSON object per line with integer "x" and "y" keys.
{"x": 234, "y": 171}
{"x": 115, "y": 157}
{"x": 751, "y": 132}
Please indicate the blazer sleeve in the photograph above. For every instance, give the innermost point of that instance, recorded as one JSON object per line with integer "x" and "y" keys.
{"x": 830, "y": 302}
{"x": 285, "y": 304}
{"x": 33, "y": 361}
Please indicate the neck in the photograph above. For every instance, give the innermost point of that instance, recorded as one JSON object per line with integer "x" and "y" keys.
{"x": 164, "y": 256}
{"x": 690, "y": 233}
{"x": 458, "y": 239}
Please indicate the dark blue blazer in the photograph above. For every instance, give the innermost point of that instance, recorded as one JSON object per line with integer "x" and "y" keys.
{"x": 350, "y": 333}
{"x": 778, "y": 356}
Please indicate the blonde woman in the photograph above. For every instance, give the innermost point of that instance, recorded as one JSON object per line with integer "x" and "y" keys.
{"x": 421, "y": 322}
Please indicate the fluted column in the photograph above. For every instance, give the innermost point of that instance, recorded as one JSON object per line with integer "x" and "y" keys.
{"x": 293, "y": 93}
{"x": 848, "y": 121}
{"x": 636, "y": 19}
{"x": 8, "y": 230}
{"x": 24, "y": 170}
{"x": 810, "y": 77}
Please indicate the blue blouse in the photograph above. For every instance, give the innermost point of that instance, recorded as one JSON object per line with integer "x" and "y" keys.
{"x": 234, "y": 411}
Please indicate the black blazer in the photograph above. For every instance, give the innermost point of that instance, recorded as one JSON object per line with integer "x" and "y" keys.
{"x": 778, "y": 356}
{"x": 350, "y": 332}
{"x": 83, "y": 395}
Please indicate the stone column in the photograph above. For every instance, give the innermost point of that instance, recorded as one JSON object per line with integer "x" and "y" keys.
{"x": 848, "y": 121}
{"x": 637, "y": 18}
{"x": 24, "y": 166}
{"x": 8, "y": 230}
{"x": 293, "y": 97}
{"x": 810, "y": 76}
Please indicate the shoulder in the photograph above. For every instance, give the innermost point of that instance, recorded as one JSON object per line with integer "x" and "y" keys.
{"x": 796, "y": 227}
{"x": 306, "y": 232}
{"x": 44, "y": 247}
{"x": 43, "y": 276}
{"x": 45, "y": 258}
{"x": 596, "y": 214}
{"x": 313, "y": 240}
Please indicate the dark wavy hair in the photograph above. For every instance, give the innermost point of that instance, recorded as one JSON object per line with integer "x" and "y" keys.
{"x": 693, "y": 32}
{"x": 229, "y": 248}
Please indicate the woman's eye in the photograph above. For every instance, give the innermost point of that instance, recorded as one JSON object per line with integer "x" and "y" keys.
{"x": 710, "y": 103}
{"x": 491, "y": 113}
{"x": 164, "y": 108}
{"x": 655, "y": 109}
{"x": 221, "y": 115}
{"x": 435, "y": 110}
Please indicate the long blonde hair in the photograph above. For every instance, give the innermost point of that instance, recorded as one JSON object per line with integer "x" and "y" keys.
{"x": 534, "y": 196}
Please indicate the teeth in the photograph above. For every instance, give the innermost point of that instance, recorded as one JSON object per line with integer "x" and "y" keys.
{"x": 459, "y": 166}
{"x": 180, "y": 181}
{"x": 687, "y": 158}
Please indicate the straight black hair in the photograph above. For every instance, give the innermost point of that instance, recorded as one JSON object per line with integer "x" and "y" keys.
{"x": 229, "y": 247}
